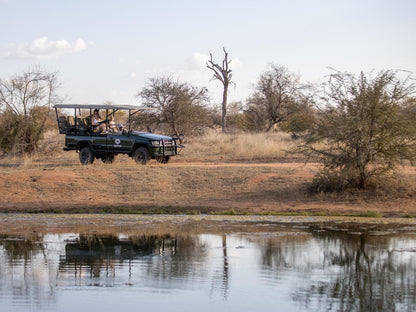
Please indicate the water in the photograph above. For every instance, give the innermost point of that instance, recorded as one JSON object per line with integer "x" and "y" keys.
{"x": 278, "y": 268}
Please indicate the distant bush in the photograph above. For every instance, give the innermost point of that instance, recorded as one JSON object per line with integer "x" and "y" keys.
{"x": 178, "y": 105}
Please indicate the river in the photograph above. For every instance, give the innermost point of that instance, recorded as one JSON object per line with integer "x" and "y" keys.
{"x": 182, "y": 263}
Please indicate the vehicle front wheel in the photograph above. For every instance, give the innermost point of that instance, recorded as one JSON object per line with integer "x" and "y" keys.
{"x": 86, "y": 156}
{"x": 163, "y": 159}
{"x": 141, "y": 155}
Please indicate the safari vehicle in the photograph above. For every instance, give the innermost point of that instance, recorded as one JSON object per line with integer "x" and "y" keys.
{"x": 104, "y": 140}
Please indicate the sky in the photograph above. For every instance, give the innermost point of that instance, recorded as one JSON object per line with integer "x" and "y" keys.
{"x": 107, "y": 50}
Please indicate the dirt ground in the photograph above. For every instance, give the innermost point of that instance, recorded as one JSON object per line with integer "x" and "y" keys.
{"x": 62, "y": 185}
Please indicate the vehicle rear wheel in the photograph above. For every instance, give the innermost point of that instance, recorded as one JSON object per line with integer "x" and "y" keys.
{"x": 163, "y": 159}
{"x": 86, "y": 156}
{"x": 141, "y": 155}
{"x": 108, "y": 159}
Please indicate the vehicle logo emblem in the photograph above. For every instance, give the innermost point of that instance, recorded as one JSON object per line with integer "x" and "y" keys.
{"x": 117, "y": 141}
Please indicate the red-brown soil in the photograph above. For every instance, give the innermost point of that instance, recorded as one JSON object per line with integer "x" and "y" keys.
{"x": 62, "y": 185}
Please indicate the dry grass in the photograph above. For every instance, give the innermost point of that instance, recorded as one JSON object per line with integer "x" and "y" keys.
{"x": 250, "y": 146}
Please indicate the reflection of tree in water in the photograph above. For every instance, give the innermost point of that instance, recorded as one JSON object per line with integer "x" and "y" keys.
{"x": 336, "y": 270}
{"x": 221, "y": 276}
{"x": 21, "y": 248}
{"x": 362, "y": 272}
{"x": 19, "y": 261}
{"x": 187, "y": 261}
{"x": 28, "y": 269}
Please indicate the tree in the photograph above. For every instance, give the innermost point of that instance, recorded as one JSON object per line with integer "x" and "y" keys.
{"x": 222, "y": 73}
{"x": 180, "y": 105}
{"x": 278, "y": 94}
{"x": 25, "y": 103}
{"x": 367, "y": 126}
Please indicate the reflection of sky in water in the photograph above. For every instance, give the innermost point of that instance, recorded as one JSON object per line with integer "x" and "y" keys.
{"x": 294, "y": 271}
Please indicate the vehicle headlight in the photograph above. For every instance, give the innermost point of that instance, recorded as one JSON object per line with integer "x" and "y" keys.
{"x": 156, "y": 143}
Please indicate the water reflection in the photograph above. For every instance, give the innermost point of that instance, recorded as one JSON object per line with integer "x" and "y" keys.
{"x": 308, "y": 270}
{"x": 347, "y": 271}
{"x": 95, "y": 253}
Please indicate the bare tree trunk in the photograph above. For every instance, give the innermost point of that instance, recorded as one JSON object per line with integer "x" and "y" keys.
{"x": 222, "y": 73}
{"x": 224, "y": 109}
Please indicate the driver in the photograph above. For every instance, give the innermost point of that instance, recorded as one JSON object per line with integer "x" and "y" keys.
{"x": 97, "y": 123}
{"x": 121, "y": 129}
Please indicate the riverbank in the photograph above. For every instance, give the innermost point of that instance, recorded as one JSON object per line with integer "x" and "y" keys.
{"x": 60, "y": 184}
{"x": 103, "y": 224}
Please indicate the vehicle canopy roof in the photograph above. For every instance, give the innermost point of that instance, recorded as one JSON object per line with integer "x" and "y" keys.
{"x": 102, "y": 106}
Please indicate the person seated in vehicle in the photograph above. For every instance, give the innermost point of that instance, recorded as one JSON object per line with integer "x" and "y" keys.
{"x": 112, "y": 124}
{"x": 121, "y": 129}
{"x": 97, "y": 124}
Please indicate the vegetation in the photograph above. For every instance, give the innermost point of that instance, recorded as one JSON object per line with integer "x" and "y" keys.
{"x": 179, "y": 105}
{"x": 247, "y": 146}
{"x": 25, "y": 102}
{"x": 360, "y": 128}
{"x": 367, "y": 126}
{"x": 279, "y": 97}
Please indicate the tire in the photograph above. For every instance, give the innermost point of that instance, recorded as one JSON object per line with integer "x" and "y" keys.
{"x": 141, "y": 155}
{"x": 108, "y": 159}
{"x": 86, "y": 156}
{"x": 163, "y": 159}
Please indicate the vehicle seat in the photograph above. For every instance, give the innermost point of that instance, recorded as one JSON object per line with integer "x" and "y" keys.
{"x": 63, "y": 124}
{"x": 87, "y": 122}
{"x": 81, "y": 124}
{"x": 71, "y": 123}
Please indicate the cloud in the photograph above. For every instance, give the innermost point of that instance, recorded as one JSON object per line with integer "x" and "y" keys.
{"x": 198, "y": 60}
{"x": 43, "y": 48}
{"x": 236, "y": 63}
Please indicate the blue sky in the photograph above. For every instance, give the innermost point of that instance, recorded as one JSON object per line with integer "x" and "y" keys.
{"x": 106, "y": 50}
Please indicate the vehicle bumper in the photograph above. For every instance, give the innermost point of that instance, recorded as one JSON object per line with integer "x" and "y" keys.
{"x": 165, "y": 151}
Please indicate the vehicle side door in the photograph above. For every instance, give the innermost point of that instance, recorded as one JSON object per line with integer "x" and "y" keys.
{"x": 119, "y": 143}
{"x": 99, "y": 142}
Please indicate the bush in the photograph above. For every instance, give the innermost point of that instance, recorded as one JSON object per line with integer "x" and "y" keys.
{"x": 367, "y": 126}
{"x": 25, "y": 102}
{"x": 386, "y": 185}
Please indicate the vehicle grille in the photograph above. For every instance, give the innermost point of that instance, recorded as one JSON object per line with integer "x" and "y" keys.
{"x": 168, "y": 143}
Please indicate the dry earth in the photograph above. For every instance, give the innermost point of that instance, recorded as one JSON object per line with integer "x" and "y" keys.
{"x": 60, "y": 184}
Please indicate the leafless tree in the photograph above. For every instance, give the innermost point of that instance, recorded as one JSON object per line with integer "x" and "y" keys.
{"x": 222, "y": 73}
{"x": 25, "y": 102}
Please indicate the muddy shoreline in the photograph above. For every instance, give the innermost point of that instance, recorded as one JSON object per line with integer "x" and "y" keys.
{"x": 30, "y": 224}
